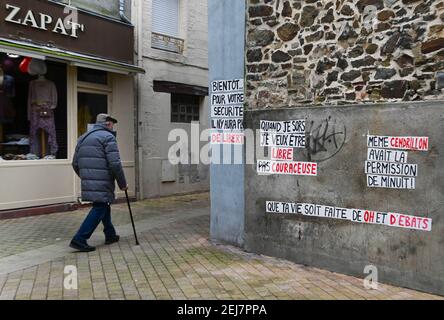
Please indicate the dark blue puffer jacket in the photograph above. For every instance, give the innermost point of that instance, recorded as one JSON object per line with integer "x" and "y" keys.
{"x": 97, "y": 163}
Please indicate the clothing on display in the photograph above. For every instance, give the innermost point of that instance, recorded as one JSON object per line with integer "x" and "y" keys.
{"x": 21, "y": 142}
{"x": 20, "y": 157}
{"x": 42, "y": 100}
{"x": 8, "y": 156}
{"x": 8, "y": 86}
{"x": 33, "y": 109}
{"x": 15, "y": 137}
{"x": 28, "y": 156}
{"x": 31, "y": 156}
{"x": 7, "y": 91}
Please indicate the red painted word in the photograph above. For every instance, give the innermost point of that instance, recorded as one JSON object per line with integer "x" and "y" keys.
{"x": 282, "y": 154}
{"x": 227, "y": 138}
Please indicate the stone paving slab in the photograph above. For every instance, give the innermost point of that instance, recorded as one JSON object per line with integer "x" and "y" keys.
{"x": 24, "y": 234}
{"x": 177, "y": 261}
{"x": 33, "y": 257}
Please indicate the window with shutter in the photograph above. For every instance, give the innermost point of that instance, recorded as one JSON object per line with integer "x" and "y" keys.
{"x": 166, "y": 17}
{"x": 165, "y": 26}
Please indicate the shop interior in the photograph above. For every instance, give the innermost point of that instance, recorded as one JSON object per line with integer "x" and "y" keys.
{"x": 33, "y": 109}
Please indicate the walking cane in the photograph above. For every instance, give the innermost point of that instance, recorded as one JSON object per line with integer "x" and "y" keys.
{"x": 131, "y": 215}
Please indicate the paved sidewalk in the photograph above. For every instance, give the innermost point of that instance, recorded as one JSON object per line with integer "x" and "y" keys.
{"x": 174, "y": 261}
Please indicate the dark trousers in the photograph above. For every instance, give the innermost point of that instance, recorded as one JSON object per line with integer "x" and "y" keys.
{"x": 100, "y": 212}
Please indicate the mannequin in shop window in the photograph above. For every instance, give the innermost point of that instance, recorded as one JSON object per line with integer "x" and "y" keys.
{"x": 7, "y": 92}
{"x": 42, "y": 100}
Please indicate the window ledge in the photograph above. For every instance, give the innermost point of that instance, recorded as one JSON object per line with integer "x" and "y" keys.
{"x": 33, "y": 163}
{"x": 167, "y": 43}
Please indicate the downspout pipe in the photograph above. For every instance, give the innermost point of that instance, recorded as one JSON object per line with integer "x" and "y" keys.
{"x": 139, "y": 112}
{"x": 122, "y": 5}
{"x": 137, "y": 14}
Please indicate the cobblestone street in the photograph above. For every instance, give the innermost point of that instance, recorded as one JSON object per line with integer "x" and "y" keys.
{"x": 174, "y": 261}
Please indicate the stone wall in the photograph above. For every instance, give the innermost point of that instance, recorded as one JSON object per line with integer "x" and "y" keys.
{"x": 324, "y": 52}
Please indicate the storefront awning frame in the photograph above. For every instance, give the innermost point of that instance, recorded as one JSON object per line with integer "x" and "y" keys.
{"x": 77, "y": 59}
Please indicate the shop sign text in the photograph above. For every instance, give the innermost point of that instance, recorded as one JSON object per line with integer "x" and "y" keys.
{"x": 65, "y": 26}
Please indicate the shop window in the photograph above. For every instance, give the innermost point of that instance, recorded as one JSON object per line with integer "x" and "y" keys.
{"x": 92, "y": 76}
{"x": 89, "y": 106}
{"x": 184, "y": 108}
{"x": 33, "y": 109}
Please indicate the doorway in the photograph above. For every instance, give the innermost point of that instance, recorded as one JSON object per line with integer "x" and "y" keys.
{"x": 89, "y": 106}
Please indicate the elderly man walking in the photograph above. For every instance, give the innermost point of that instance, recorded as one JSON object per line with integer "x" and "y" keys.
{"x": 97, "y": 163}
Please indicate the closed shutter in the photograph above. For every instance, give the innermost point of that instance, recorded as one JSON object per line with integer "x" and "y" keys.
{"x": 166, "y": 17}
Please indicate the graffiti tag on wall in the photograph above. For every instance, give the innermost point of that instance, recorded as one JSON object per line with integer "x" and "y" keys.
{"x": 325, "y": 139}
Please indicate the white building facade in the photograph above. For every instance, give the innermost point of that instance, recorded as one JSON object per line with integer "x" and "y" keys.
{"x": 172, "y": 45}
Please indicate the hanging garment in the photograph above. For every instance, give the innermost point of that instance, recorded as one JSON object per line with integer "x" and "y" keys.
{"x": 8, "y": 86}
{"x": 7, "y": 91}
{"x": 42, "y": 100}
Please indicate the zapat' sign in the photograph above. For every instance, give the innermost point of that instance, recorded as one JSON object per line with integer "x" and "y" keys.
{"x": 390, "y": 219}
{"x": 43, "y": 21}
{"x": 386, "y": 165}
{"x": 227, "y": 111}
{"x": 298, "y": 168}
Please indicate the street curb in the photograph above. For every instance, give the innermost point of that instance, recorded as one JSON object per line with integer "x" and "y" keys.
{"x": 49, "y": 209}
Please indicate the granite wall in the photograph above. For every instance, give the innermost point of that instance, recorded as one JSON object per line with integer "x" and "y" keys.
{"x": 308, "y": 52}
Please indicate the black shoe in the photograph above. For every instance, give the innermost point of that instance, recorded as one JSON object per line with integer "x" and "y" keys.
{"x": 112, "y": 240}
{"x": 82, "y": 247}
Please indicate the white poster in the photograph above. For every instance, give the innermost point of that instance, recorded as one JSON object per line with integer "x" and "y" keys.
{"x": 354, "y": 215}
